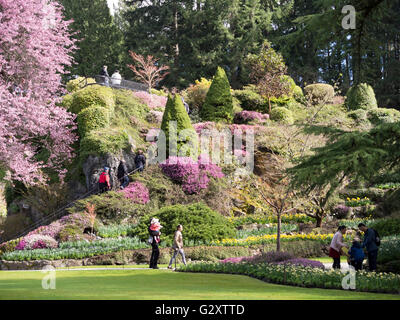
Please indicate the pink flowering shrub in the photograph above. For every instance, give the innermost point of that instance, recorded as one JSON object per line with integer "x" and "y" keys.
{"x": 151, "y": 100}
{"x": 203, "y": 126}
{"x": 52, "y": 230}
{"x": 137, "y": 192}
{"x": 192, "y": 175}
{"x": 244, "y": 117}
{"x": 36, "y": 241}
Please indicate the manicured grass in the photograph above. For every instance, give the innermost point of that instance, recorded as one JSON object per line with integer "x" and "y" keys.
{"x": 160, "y": 285}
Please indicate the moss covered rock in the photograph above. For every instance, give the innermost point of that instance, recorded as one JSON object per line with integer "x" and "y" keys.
{"x": 93, "y": 118}
{"x": 361, "y": 96}
{"x": 319, "y": 93}
{"x": 92, "y": 95}
{"x": 218, "y": 105}
{"x": 100, "y": 142}
{"x": 282, "y": 115}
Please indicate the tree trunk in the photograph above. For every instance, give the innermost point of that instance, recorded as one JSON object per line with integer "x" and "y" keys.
{"x": 319, "y": 221}
{"x": 278, "y": 236}
{"x": 176, "y": 60}
{"x": 269, "y": 105}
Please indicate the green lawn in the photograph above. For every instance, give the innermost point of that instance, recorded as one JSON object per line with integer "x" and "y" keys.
{"x": 343, "y": 259}
{"x": 159, "y": 284}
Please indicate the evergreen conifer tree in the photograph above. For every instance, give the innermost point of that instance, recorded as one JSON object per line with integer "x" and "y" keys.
{"x": 100, "y": 41}
{"x": 175, "y": 112}
{"x": 218, "y": 105}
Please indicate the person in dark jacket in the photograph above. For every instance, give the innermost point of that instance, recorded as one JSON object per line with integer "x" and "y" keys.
{"x": 123, "y": 174}
{"x": 356, "y": 254}
{"x": 155, "y": 240}
{"x": 370, "y": 244}
{"x": 140, "y": 161}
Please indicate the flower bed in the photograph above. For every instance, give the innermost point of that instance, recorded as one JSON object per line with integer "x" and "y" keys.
{"x": 153, "y": 101}
{"x": 268, "y": 229}
{"x": 36, "y": 241}
{"x": 357, "y": 202}
{"x": 76, "y": 250}
{"x": 286, "y": 218}
{"x": 245, "y": 117}
{"x": 137, "y": 192}
{"x": 192, "y": 175}
{"x": 271, "y": 238}
{"x": 302, "y": 276}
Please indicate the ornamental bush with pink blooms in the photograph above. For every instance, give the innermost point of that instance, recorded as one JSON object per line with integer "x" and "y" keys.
{"x": 36, "y": 241}
{"x": 194, "y": 176}
{"x": 245, "y": 117}
{"x": 137, "y": 192}
{"x": 153, "y": 101}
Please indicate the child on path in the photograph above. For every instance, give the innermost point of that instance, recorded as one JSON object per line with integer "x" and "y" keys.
{"x": 356, "y": 255}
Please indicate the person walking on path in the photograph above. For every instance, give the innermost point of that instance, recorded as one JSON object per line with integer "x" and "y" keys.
{"x": 140, "y": 161}
{"x": 105, "y": 76}
{"x": 336, "y": 246}
{"x": 155, "y": 240}
{"x": 371, "y": 244}
{"x": 178, "y": 246}
{"x": 116, "y": 78}
{"x": 123, "y": 174}
{"x": 104, "y": 180}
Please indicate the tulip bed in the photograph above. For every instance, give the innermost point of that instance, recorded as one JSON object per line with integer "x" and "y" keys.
{"x": 76, "y": 250}
{"x": 302, "y": 276}
{"x": 271, "y": 238}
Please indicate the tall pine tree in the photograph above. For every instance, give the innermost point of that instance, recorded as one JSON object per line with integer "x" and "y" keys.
{"x": 100, "y": 40}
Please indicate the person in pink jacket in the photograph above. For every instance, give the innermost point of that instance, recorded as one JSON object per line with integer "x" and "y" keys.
{"x": 336, "y": 246}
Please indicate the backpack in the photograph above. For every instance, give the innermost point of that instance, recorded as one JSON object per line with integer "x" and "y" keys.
{"x": 377, "y": 238}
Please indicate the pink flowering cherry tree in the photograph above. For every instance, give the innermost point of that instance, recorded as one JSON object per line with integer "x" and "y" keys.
{"x": 35, "y": 46}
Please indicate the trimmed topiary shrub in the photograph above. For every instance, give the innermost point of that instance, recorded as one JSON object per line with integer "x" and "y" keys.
{"x": 382, "y": 115}
{"x": 319, "y": 93}
{"x": 282, "y": 115}
{"x": 67, "y": 101}
{"x": 196, "y": 94}
{"x": 218, "y": 105}
{"x": 175, "y": 111}
{"x": 92, "y": 95}
{"x": 250, "y": 100}
{"x": 78, "y": 83}
{"x": 200, "y": 223}
{"x": 100, "y": 142}
{"x": 92, "y": 118}
{"x": 294, "y": 90}
{"x": 361, "y": 96}
{"x": 360, "y": 116}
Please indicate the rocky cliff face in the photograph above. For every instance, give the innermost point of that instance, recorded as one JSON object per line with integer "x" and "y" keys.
{"x": 94, "y": 165}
